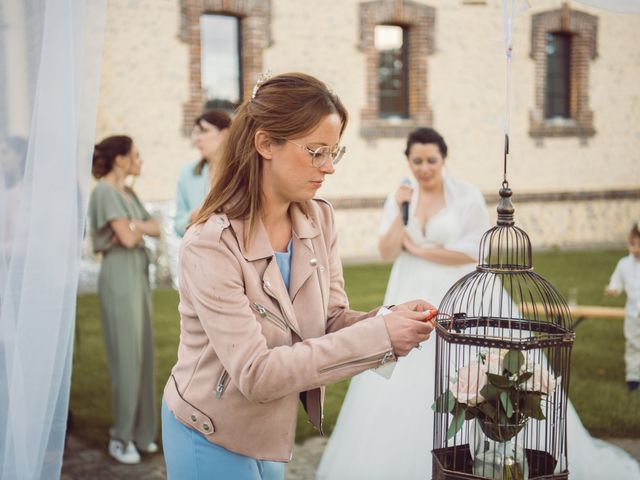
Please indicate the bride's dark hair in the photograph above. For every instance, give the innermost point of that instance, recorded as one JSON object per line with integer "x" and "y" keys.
{"x": 426, "y": 135}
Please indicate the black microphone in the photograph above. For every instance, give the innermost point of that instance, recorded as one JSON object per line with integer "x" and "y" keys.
{"x": 405, "y": 205}
{"x": 405, "y": 213}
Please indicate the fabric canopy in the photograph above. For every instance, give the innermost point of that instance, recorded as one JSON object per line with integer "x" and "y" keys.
{"x": 50, "y": 57}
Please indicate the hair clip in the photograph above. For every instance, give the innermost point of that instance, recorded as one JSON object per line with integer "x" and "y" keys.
{"x": 261, "y": 79}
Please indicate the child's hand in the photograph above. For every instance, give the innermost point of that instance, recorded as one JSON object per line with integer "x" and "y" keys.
{"x": 611, "y": 292}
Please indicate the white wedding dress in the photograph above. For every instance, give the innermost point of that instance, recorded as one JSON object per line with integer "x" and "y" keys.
{"x": 385, "y": 427}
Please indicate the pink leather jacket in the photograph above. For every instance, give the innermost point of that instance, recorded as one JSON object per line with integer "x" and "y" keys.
{"x": 249, "y": 349}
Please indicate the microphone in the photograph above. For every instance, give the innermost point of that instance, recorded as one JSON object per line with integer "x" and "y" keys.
{"x": 404, "y": 206}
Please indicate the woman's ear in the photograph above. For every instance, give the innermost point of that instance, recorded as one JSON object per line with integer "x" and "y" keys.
{"x": 263, "y": 144}
{"x": 122, "y": 161}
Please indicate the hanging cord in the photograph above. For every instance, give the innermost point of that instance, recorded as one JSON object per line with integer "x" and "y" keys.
{"x": 508, "y": 13}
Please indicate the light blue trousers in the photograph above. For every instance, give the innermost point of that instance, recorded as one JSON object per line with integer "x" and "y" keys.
{"x": 189, "y": 456}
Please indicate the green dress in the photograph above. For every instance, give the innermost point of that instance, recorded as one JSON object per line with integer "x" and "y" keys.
{"x": 125, "y": 304}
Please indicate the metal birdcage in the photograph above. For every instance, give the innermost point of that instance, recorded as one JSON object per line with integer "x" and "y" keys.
{"x": 504, "y": 339}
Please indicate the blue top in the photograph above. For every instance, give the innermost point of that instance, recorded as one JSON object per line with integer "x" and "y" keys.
{"x": 192, "y": 189}
{"x": 284, "y": 264}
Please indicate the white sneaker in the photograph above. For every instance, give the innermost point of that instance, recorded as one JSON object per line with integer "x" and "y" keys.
{"x": 151, "y": 448}
{"x": 124, "y": 454}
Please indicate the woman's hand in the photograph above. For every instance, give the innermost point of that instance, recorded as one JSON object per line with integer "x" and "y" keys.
{"x": 407, "y": 329}
{"x": 410, "y": 246}
{"x": 403, "y": 194}
{"x": 390, "y": 243}
{"x": 416, "y": 306}
{"x": 611, "y": 292}
{"x": 436, "y": 253}
{"x": 148, "y": 227}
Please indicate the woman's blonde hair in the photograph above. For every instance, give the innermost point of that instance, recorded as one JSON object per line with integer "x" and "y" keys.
{"x": 285, "y": 106}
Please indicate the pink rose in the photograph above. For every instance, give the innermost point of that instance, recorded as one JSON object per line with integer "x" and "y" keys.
{"x": 471, "y": 378}
{"x": 493, "y": 360}
{"x": 541, "y": 381}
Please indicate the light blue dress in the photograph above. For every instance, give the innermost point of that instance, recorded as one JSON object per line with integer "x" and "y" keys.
{"x": 192, "y": 189}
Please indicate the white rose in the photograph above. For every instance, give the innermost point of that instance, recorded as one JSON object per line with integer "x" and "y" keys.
{"x": 466, "y": 388}
{"x": 542, "y": 380}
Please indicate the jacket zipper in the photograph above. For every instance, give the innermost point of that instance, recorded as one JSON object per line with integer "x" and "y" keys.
{"x": 285, "y": 319}
{"x": 222, "y": 384}
{"x": 383, "y": 359}
{"x": 264, "y": 313}
{"x": 318, "y": 269}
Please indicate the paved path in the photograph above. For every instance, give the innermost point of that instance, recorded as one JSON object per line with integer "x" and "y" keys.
{"x": 81, "y": 463}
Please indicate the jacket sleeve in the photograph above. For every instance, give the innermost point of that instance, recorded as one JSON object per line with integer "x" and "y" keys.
{"x": 339, "y": 315}
{"x": 213, "y": 298}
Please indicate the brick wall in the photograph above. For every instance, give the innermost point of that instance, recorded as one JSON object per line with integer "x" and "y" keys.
{"x": 147, "y": 81}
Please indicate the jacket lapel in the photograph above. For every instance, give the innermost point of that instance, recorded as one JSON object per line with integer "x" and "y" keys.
{"x": 272, "y": 283}
{"x": 274, "y": 286}
{"x": 304, "y": 261}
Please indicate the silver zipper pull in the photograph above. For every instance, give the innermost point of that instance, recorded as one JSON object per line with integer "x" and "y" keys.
{"x": 261, "y": 310}
{"x": 386, "y": 358}
{"x": 219, "y": 390}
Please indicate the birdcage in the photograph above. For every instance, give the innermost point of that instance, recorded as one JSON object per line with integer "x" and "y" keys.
{"x": 504, "y": 339}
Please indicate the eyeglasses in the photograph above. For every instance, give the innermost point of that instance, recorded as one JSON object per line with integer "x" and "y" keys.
{"x": 198, "y": 131}
{"x": 321, "y": 155}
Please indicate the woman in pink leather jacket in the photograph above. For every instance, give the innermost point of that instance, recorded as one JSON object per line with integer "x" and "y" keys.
{"x": 265, "y": 321}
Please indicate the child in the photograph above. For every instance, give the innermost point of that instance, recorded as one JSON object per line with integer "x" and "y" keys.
{"x": 626, "y": 277}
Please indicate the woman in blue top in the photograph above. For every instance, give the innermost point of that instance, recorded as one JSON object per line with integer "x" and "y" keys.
{"x": 209, "y": 131}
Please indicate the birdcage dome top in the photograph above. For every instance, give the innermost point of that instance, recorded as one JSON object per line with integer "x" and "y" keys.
{"x": 504, "y": 303}
{"x": 505, "y": 247}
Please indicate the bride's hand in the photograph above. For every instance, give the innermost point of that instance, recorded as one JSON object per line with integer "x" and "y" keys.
{"x": 410, "y": 246}
{"x": 403, "y": 194}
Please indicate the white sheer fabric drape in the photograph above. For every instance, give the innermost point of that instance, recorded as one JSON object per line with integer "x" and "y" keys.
{"x": 50, "y": 56}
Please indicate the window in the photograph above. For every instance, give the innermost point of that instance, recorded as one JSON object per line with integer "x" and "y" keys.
{"x": 226, "y": 40}
{"x": 220, "y": 64}
{"x": 563, "y": 44}
{"x": 391, "y": 44}
{"x": 396, "y": 37}
{"x": 557, "y": 85}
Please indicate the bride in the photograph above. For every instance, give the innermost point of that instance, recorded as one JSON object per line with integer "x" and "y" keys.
{"x": 385, "y": 427}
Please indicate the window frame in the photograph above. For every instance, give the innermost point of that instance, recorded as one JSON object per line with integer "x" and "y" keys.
{"x": 583, "y": 29}
{"x": 254, "y": 17}
{"x": 419, "y": 21}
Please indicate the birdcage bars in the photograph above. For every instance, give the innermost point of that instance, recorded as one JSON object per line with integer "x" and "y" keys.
{"x": 505, "y": 331}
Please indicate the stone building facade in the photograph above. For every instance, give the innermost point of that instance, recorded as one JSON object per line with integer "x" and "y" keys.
{"x": 576, "y": 180}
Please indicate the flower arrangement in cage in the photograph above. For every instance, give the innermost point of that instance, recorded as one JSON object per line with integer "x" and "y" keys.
{"x": 498, "y": 389}
{"x": 501, "y": 390}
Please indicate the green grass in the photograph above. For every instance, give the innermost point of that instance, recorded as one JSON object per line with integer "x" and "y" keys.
{"x": 597, "y": 389}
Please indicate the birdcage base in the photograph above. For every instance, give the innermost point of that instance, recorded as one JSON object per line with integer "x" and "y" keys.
{"x": 456, "y": 463}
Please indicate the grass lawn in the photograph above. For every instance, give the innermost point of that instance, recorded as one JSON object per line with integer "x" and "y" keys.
{"x": 597, "y": 389}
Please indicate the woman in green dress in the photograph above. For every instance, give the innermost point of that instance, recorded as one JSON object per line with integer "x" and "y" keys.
{"x": 118, "y": 222}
